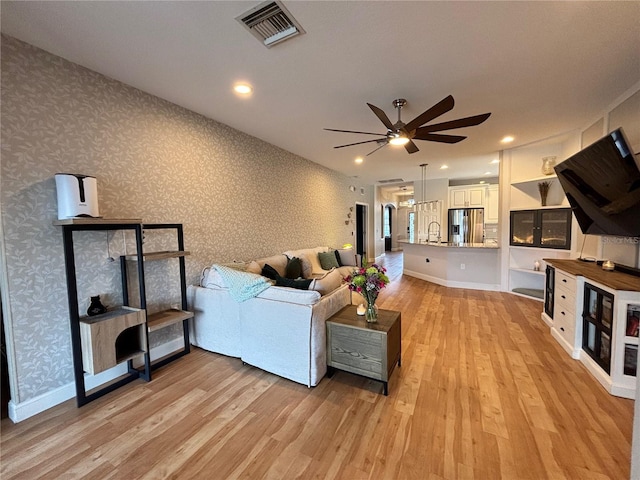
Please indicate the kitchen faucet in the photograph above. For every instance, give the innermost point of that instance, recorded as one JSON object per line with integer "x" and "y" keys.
{"x": 437, "y": 231}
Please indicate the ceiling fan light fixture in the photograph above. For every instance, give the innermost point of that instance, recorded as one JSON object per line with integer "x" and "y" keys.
{"x": 398, "y": 139}
{"x": 243, "y": 89}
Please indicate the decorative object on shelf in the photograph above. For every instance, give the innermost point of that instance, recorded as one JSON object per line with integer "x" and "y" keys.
{"x": 547, "y": 165}
{"x": 608, "y": 265}
{"x": 536, "y": 266}
{"x": 361, "y": 309}
{"x": 96, "y": 307}
{"x": 368, "y": 281}
{"x": 543, "y": 188}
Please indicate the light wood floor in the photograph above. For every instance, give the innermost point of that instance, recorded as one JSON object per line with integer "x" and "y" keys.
{"x": 484, "y": 392}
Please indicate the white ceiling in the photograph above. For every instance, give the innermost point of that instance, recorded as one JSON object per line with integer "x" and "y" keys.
{"x": 541, "y": 68}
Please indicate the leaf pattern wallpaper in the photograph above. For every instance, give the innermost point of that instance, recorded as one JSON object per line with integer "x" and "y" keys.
{"x": 237, "y": 197}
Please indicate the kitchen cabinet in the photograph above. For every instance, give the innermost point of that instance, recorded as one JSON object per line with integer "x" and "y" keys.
{"x": 460, "y": 197}
{"x": 492, "y": 205}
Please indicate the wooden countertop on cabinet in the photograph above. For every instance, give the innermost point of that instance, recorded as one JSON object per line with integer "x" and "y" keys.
{"x": 615, "y": 280}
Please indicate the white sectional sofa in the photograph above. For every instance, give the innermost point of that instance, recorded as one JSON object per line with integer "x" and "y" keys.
{"x": 281, "y": 330}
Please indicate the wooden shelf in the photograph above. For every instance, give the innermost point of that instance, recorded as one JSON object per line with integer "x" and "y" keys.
{"x": 159, "y": 255}
{"x": 533, "y": 181}
{"x": 527, "y": 270}
{"x": 534, "y": 293}
{"x": 97, "y": 221}
{"x": 165, "y": 318}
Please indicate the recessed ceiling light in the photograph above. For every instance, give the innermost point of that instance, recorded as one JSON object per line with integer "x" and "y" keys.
{"x": 487, "y": 173}
{"x": 242, "y": 89}
{"x": 482, "y": 181}
{"x": 359, "y": 160}
{"x": 495, "y": 161}
{"x": 444, "y": 167}
{"x": 507, "y": 139}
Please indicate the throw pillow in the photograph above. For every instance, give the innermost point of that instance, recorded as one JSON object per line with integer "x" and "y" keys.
{"x": 328, "y": 260}
{"x": 347, "y": 257}
{"x": 306, "y": 266}
{"x": 269, "y": 272}
{"x": 338, "y": 259}
{"x": 289, "y": 282}
{"x": 254, "y": 267}
{"x": 327, "y": 283}
{"x": 294, "y": 268}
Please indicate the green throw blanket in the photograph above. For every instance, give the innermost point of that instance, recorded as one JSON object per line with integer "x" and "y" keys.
{"x": 242, "y": 285}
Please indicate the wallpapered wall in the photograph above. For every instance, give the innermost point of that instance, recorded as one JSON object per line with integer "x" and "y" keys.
{"x": 237, "y": 196}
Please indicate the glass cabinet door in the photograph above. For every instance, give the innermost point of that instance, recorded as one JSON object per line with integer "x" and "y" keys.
{"x": 523, "y": 223}
{"x": 598, "y": 321}
{"x": 555, "y": 228}
{"x": 546, "y": 228}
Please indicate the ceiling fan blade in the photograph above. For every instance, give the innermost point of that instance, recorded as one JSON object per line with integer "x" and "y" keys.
{"x": 440, "y": 108}
{"x": 411, "y": 147}
{"x": 353, "y": 131}
{"x": 358, "y": 143}
{"x": 452, "y": 124}
{"x": 383, "y": 145}
{"x": 435, "y": 137}
{"x": 382, "y": 116}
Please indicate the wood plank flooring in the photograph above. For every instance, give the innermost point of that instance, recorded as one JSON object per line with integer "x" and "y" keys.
{"x": 484, "y": 392}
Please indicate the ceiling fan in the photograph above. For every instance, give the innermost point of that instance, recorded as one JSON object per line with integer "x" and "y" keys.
{"x": 401, "y": 133}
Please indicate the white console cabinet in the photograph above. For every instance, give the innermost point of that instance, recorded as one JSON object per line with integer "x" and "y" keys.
{"x": 565, "y": 325}
{"x": 595, "y": 315}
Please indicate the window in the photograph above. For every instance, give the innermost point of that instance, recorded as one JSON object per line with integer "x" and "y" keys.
{"x": 386, "y": 223}
{"x": 410, "y": 228}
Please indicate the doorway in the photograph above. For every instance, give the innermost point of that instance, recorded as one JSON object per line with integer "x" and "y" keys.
{"x": 361, "y": 231}
{"x": 387, "y": 227}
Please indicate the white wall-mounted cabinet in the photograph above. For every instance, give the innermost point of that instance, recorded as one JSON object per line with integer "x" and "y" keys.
{"x": 467, "y": 196}
{"x": 492, "y": 204}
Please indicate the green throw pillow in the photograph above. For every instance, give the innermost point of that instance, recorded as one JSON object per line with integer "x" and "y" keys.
{"x": 328, "y": 260}
{"x": 294, "y": 268}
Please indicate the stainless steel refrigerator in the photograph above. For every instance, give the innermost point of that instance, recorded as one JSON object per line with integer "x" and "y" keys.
{"x": 466, "y": 225}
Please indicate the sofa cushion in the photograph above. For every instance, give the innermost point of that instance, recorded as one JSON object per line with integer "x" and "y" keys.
{"x": 279, "y": 262}
{"x": 292, "y": 283}
{"x": 293, "y": 269}
{"x": 307, "y": 269}
{"x": 347, "y": 257}
{"x": 327, "y": 283}
{"x": 311, "y": 256}
{"x": 291, "y": 295}
{"x": 328, "y": 260}
{"x": 346, "y": 271}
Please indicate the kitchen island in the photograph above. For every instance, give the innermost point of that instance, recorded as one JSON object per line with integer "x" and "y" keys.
{"x": 460, "y": 265}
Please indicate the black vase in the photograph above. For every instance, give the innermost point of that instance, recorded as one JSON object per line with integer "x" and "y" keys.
{"x": 96, "y": 308}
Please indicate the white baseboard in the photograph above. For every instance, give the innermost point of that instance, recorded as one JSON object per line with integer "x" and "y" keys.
{"x": 570, "y": 349}
{"x": 453, "y": 284}
{"x": 23, "y": 410}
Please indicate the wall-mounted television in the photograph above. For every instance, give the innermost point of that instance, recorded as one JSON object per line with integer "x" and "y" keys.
{"x": 602, "y": 184}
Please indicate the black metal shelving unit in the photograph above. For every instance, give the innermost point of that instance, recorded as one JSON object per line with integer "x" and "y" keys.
{"x": 168, "y": 317}
{"x": 96, "y": 224}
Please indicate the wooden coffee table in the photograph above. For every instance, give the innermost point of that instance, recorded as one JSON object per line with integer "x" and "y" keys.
{"x": 368, "y": 349}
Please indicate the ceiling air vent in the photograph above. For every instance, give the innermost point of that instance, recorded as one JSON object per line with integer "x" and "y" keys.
{"x": 271, "y": 23}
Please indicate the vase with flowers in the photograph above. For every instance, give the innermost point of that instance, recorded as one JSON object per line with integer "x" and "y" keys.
{"x": 368, "y": 281}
